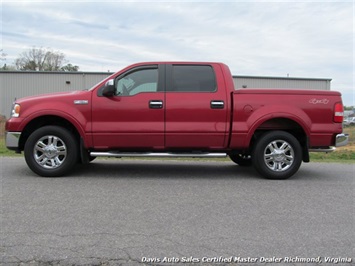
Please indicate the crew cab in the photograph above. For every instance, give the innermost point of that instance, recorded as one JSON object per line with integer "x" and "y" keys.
{"x": 181, "y": 109}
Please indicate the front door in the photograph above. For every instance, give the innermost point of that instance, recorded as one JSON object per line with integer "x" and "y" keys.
{"x": 134, "y": 117}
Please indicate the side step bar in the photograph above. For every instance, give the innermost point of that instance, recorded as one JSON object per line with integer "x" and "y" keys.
{"x": 157, "y": 154}
{"x": 326, "y": 150}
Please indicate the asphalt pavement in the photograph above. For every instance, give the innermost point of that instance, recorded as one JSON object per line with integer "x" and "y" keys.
{"x": 152, "y": 212}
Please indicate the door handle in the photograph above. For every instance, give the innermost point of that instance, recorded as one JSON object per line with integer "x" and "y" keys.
{"x": 155, "y": 104}
{"x": 215, "y": 104}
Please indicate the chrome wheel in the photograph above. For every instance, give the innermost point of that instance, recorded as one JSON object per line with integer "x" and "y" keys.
{"x": 50, "y": 152}
{"x": 279, "y": 155}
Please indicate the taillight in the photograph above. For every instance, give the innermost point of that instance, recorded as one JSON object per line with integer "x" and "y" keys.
{"x": 338, "y": 113}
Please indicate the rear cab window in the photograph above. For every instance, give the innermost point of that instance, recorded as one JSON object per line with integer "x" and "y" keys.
{"x": 193, "y": 78}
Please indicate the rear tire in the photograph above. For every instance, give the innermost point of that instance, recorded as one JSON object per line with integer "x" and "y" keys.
{"x": 51, "y": 151}
{"x": 277, "y": 155}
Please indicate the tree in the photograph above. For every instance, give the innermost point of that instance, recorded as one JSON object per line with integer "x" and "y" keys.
{"x": 69, "y": 67}
{"x": 5, "y": 67}
{"x": 3, "y": 58}
{"x": 2, "y": 55}
{"x": 42, "y": 59}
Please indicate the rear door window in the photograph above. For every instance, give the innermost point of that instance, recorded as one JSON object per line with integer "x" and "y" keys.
{"x": 193, "y": 78}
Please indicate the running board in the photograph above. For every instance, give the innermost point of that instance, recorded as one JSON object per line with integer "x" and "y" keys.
{"x": 326, "y": 150}
{"x": 157, "y": 154}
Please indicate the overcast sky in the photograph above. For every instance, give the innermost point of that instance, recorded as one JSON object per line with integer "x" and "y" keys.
{"x": 312, "y": 39}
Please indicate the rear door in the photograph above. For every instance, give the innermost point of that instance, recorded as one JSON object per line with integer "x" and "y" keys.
{"x": 196, "y": 107}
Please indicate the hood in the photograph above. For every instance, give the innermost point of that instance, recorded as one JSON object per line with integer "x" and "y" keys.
{"x": 54, "y": 95}
{"x": 51, "y": 95}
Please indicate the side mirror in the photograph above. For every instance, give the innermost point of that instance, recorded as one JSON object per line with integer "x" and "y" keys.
{"x": 109, "y": 89}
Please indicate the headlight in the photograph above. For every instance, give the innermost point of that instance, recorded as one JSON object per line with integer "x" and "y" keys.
{"x": 15, "y": 110}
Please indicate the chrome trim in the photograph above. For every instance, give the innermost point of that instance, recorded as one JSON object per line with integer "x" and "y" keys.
{"x": 50, "y": 152}
{"x": 81, "y": 102}
{"x": 215, "y": 104}
{"x": 157, "y": 154}
{"x": 12, "y": 139}
{"x": 279, "y": 155}
{"x": 330, "y": 149}
{"x": 341, "y": 140}
{"x": 156, "y": 104}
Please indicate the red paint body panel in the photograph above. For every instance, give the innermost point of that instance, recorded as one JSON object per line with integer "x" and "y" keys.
{"x": 192, "y": 123}
{"x": 127, "y": 122}
{"x": 56, "y": 105}
{"x": 186, "y": 120}
{"x": 312, "y": 110}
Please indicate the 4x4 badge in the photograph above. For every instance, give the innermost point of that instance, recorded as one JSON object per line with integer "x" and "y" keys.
{"x": 319, "y": 101}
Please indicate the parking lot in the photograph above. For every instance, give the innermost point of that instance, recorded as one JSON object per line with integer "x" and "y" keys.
{"x": 138, "y": 212}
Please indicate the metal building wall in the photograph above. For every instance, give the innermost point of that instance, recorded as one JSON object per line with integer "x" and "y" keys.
{"x": 281, "y": 82}
{"x": 20, "y": 84}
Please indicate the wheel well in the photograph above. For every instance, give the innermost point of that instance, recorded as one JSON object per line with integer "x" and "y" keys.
{"x": 46, "y": 121}
{"x": 287, "y": 125}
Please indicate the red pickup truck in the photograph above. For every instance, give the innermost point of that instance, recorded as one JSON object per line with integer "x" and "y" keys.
{"x": 181, "y": 109}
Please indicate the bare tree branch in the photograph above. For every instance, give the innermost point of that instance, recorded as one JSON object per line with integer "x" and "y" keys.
{"x": 43, "y": 59}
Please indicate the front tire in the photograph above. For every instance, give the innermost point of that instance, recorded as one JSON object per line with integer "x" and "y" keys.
{"x": 51, "y": 151}
{"x": 277, "y": 155}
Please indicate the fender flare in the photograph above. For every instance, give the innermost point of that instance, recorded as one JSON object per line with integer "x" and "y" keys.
{"x": 76, "y": 122}
{"x": 263, "y": 115}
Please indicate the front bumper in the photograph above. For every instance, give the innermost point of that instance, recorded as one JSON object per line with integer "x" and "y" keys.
{"x": 12, "y": 140}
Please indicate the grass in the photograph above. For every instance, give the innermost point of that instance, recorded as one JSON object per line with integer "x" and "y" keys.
{"x": 3, "y": 150}
{"x": 344, "y": 154}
